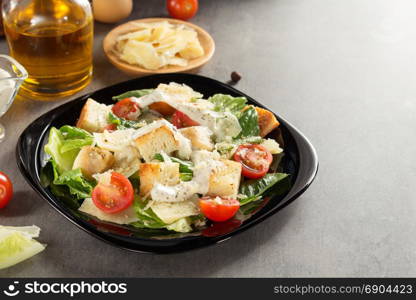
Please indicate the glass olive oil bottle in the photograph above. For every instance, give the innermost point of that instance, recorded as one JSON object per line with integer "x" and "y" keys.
{"x": 53, "y": 40}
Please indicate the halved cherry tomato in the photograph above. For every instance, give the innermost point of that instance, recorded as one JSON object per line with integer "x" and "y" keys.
{"x": 115, "y": 196}
{"x": 255, "y": 160}
{"x": 6, "y": 190}
{"x": 180, "y": 120}
{"x": 127, "y": 109}
{"x": 182, "y": 9}
{"x": 218, "y": 209}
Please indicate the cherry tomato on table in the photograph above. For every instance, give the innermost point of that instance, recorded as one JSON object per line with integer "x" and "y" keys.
{"x": 6, "y": 189}
{"x": 127, "y": 109}
{"x": 114, "y": 196}
{"x": 218, "y": 209}
{"x": 180, "y": 120}
{"x": 182, "y": 9}
{"x": 255, "y": 160}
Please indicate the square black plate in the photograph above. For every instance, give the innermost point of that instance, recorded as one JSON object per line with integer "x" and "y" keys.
{"x": 300, "y": 160}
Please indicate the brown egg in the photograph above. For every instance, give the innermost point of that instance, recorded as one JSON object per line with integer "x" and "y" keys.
{"x": 111, "y": 11}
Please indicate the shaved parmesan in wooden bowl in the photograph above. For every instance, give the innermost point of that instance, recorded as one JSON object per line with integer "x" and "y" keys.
{"x": 158, "y": 45}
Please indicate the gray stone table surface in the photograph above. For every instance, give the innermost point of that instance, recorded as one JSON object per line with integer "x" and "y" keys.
{"x": 344, "y": 72}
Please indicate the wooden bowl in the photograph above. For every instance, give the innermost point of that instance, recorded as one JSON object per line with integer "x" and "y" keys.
{"x": 109, "y": 43}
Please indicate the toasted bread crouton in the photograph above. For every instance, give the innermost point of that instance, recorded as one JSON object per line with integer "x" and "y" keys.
{"x": 267, "y": 121}
{"x": 225, "y": 179}
{"x": 155, "y": 141}
{"x": 163, "y": 173}
{"x": 162, "y": 108}
{"x": 200, "y": 137}
{"x": 93, "y": 116}
{"x": 92, "y": 160}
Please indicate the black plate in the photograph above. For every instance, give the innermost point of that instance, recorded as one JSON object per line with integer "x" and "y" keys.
{"x": 300, "y": 160}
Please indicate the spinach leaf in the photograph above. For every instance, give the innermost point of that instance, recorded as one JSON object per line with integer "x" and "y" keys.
{"x": 255, "y": 188}
{"x": 249, "y": 122}
{"x": 134, "y": 93}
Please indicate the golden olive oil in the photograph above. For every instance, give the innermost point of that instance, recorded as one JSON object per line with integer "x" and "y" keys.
{"x": 53, "y": 40}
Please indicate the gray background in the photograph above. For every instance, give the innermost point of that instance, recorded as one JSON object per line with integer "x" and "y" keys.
{"x": 344, "y": 73}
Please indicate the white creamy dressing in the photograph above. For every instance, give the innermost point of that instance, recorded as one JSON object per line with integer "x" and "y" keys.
{"x": 204, "y": 163}
{"x": 222, "y": 124}
{"x": 7, "y": 87}
{"x": 120, "y": 139}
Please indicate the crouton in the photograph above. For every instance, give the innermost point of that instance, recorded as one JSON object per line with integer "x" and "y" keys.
{"x": 267, "y": 121}
{"x": 155, "y": 141}
{"x": 163, "y": 173}
{"x": 92, "y": 160}
{"x": 93, "y": 116}
{"x": 225, "y": 179}
{"x": 200, "y": 137}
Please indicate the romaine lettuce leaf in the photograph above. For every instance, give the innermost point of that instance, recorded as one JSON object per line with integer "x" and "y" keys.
{"x": 78, "y": 185}
{"x": 147, "y": 218}
{"x": 69, "y": 187}
{"x": 64, "y": 144}
{"x": 227, "y": 103}
{"x": 134, "y": 93}
{"x": 255, "y": 188}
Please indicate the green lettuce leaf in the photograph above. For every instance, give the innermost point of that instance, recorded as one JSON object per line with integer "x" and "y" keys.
{"x": 134, "y": 93}
{"x": 249, "y": 122}
{"x": 69, "y": 187}
{"x": 78, "y": 185}
{"x": 227, "y": 103}
{"x": 147, "y": 218}
{"x": 64, "y": 144}
{"x": 255, "y": 188}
